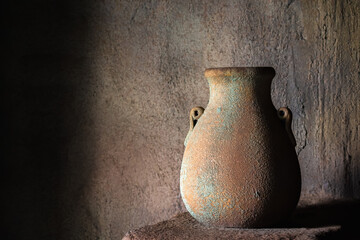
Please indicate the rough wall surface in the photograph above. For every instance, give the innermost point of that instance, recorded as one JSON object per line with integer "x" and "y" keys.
{"x": 97, "y": 96}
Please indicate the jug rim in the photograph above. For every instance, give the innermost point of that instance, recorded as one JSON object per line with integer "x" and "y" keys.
{"x": 244, "y": 71}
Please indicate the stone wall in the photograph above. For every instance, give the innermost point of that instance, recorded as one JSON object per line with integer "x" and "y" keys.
{"x": 96, "y": 99}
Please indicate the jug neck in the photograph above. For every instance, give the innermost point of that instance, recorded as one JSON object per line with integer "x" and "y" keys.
{"x": 245, "y": 85}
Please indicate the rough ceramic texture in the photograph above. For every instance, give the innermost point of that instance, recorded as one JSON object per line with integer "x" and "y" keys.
{"x": 239, "y": 167}
{"x": 97, "y": 95}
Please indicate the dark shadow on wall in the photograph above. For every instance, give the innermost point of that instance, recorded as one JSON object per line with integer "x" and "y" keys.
{"x": 43, "y": 104}
{"x": 344, "y": 213}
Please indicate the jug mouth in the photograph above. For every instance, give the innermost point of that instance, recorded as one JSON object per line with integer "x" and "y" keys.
{"x": 240, "y": 71}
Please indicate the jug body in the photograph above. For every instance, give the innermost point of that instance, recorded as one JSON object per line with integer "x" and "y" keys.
{"x": 240, "y": 168}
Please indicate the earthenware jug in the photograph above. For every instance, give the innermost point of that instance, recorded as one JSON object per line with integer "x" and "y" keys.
{"x": 240, "y": 168}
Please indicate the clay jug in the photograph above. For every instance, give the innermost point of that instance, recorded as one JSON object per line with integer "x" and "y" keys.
{"x": 240, "y": 168}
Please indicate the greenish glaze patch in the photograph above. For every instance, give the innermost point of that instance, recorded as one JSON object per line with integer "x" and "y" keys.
{"x": 183, "y": 177}
{"x": 207, "y": 189}
{"x": 234, "y": 78}
{"x": 233, "y": 102}
{"x": 183, "y": 173}
{"x": 187, "y": 137}
{"x": 216, "y": 202}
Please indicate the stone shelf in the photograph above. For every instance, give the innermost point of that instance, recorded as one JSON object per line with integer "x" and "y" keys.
{"x": 336, "y": 220}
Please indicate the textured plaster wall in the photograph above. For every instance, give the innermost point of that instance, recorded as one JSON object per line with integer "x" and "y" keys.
{"x": 96, "y": 99}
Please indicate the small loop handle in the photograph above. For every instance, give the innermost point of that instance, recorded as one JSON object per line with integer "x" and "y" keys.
{"x": 195, "y": 114}
{"x": 285, "y": 115}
